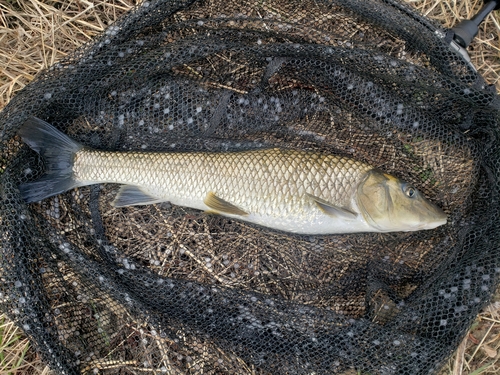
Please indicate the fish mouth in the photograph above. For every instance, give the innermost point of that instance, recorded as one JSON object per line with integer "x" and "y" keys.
{"x": 434, "y": 224}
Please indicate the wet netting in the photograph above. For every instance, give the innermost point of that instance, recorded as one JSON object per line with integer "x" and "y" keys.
{"x": 163, "y": 288}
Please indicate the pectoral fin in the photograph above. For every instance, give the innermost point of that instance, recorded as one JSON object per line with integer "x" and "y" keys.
{"x": 129, "y": 195}
{"x": 332, "y": 210}
{"x": 220, "y": 205}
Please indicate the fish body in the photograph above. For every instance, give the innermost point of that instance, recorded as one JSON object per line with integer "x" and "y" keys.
{"x": 295, "y": 191}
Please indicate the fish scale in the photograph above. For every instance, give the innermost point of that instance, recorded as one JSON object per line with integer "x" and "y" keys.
{"x": 252, "y": 180}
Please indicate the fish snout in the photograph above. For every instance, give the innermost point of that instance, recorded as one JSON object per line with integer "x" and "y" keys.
{"x": 433, "y": 218}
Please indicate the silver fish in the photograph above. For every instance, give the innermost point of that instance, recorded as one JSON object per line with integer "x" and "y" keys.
{"x": 290, "y": 190}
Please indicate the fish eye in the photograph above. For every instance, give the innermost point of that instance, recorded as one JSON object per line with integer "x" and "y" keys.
{"x": 410, "y": 191}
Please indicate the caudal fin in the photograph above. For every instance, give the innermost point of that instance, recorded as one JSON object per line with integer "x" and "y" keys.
{"x": 58, "y": 151}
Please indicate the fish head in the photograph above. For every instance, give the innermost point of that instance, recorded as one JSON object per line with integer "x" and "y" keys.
{"x": 391, "y": 205}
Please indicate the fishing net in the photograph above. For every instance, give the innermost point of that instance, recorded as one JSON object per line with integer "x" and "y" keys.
{"x": 162, "y": 288}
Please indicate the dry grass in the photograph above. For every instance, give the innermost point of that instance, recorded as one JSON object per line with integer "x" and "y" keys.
{"x": 35, "y": 33}
{"x": 485, "y": 49}
{"x": 15, "y": 353}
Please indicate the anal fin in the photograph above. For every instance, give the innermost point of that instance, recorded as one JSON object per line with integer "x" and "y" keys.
{"x": 333, "y": 210}
{"x": 220, "y": 205}
{"x": 130, "y": 195}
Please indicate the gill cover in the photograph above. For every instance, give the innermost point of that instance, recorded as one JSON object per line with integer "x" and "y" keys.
{"x": 374, "y": 199}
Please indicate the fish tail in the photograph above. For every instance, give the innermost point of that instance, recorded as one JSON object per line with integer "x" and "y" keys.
{"x": 58, "y": 152}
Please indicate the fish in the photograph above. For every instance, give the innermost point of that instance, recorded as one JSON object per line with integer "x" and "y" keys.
{"x": 295, "y": 191}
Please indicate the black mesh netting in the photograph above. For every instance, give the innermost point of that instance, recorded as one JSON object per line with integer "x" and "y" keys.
{"x": 161, "y": 288}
